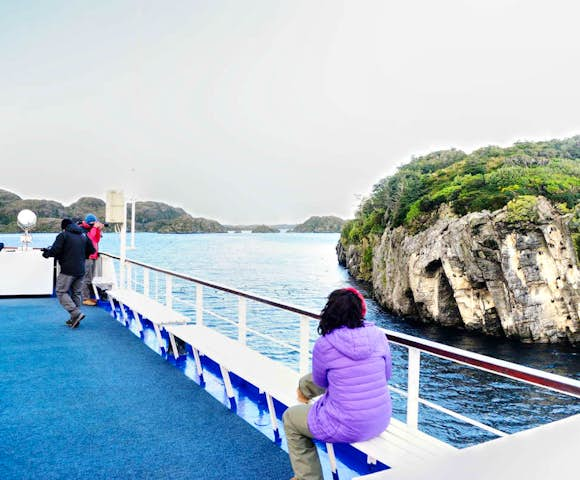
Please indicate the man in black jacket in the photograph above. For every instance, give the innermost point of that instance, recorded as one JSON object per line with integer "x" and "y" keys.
{"x": 71, "y": 248}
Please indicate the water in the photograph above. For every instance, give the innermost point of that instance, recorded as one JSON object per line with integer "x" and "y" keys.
{"x": 302, "y": 269}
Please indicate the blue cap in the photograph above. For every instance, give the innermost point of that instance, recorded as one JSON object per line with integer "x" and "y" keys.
{"x": 90, "y": 218}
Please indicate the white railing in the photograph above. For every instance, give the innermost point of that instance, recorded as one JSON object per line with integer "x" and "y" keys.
{"x": 414, "y": 345}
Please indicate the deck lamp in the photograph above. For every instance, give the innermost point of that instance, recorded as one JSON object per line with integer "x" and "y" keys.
{"x": 26, "y": 220}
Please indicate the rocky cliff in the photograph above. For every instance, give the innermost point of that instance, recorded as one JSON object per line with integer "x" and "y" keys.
{"x": 498, "y": 272}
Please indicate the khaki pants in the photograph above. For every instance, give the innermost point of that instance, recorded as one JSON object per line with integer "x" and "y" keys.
{"x": 301, "y": 448}
{"x": 68, "y": 292}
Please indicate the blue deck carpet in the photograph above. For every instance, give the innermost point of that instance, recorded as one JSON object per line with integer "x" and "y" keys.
{"x": 97, "y": 403}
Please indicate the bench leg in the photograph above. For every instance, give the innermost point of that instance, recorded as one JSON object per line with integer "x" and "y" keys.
{"x": 273, "y": 418}
{"x": 198, "y": 365}
{"x": 124, "y": 314}
{"x": 228, "y": 385}
{"x": 159, "y": 338}
{"x": 96, "y": 292}
{"x": 137, "y": 318}
{"x": 113, "y": 309}
{"x": 173, "y": 345}
{"x": 332, "y": 459}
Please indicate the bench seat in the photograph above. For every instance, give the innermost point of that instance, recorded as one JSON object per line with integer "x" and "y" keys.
{"x": 397, "y": 445}
{"x": 147, "y": 307}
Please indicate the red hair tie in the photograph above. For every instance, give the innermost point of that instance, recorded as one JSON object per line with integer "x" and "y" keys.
{"x": 361, "y": 298}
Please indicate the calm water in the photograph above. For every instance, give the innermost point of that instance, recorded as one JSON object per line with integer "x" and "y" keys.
{"x": 301, "y": 269}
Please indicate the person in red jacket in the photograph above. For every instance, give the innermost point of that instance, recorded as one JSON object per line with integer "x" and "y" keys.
{"x": 93, "y": 228}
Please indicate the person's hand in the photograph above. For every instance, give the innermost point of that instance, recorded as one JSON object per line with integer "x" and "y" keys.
{"x": 99, "y": 225}
{"x": 45, "y": 252}
{"x": 300, "y": 396}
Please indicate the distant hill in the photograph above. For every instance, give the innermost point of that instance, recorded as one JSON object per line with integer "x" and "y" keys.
{"x": 327, "y": 224}
{"x": 150, "y": 216}
{"x": 264, "y": 229}
{"x": 246, "y": 228}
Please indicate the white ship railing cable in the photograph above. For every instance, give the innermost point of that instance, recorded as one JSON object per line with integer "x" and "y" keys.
{"x": 414, "y": 345}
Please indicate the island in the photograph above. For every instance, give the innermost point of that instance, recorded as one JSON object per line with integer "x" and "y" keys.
{"x": 486, "y": 241}
{"x": 264, "y": 229}
{"x": 324, "y": 224}
{"x": 151, "y": 216}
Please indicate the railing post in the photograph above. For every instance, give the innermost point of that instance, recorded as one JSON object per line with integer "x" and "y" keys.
{"x": 413, "y": 375}
{"x": 199, "y": 304}
{"x": 168, "y": 291}
{"x": 242, "y": 320}
{"x": 129, "y": 277}
{"x": 146, "y": 282}
{"x": 304, "y": 345}
{"x": 157, "y": 286}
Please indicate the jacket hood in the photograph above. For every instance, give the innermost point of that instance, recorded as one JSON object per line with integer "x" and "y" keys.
{"x": 355, "y": 343}
{"x": 74, "y": 228}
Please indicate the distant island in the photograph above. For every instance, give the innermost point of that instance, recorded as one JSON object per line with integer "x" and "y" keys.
{"x": 154, "y": 217}
{"x": 327, "y": 224}
{"x": 151, "y": 216}
{"x": 264, "y": 229}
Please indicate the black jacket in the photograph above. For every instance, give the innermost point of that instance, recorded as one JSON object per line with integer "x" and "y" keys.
{"x": 71, "y": 248}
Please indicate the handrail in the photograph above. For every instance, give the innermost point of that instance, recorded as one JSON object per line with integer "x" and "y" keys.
{"x": 529, "y": 375}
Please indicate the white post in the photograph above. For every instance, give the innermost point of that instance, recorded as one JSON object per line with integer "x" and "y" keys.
{"x": 146, "y": 282}
{"x": 304, "y": 345}
{"x": 168, "y": 292}
{"x": 129, "y": 276}
{"x": 242, "y": 331}
{"x": 199, "y": 305}
{"x": 157, "y": 286}
{"x": 123, "y": 250}
{"x": 133, "y": 223}
{"x": 413, "y": 372}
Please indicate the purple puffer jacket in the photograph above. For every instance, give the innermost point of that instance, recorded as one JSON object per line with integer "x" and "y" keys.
{"x": 354, "y": 365}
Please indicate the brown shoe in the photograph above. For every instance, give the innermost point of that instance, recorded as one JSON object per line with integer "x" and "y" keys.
{"x": 91, "y": 302}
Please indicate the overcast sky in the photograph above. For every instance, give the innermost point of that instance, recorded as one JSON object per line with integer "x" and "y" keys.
{"x": 270, "y": 111}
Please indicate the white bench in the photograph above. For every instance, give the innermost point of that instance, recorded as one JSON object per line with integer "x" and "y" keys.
{"x": 397, "y": 445}
{"x": 158, "y": 314}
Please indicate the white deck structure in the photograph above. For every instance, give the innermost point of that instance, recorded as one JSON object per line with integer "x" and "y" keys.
{"x": 546, "y": 452}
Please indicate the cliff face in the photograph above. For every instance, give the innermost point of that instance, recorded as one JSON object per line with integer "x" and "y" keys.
{"x": 486, "y": 271}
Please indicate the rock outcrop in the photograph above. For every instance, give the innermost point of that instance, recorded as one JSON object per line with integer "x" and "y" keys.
{"x": 486, "y": 271}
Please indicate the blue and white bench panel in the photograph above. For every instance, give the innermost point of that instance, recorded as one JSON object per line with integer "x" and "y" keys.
{"x": 158, "y": 314}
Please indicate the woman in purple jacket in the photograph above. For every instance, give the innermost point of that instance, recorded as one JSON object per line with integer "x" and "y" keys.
{"x": 351, "y": 364}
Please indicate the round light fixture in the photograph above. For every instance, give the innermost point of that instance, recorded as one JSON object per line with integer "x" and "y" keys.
{"x": 26, "y": 219}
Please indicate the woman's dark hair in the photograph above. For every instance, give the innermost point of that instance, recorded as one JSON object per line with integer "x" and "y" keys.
{"x": 344, "y": 308}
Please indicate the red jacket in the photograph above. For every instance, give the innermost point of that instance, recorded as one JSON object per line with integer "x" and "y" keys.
{"x": 94, "y": 234}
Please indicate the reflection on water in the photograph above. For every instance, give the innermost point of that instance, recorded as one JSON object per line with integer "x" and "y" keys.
{"x": 302, "y": 269}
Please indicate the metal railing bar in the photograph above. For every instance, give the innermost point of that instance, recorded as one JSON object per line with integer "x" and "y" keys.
{"x": 451, "y": 413}
{"x": 255, "y": 332}
{"x": 528, "y": 375}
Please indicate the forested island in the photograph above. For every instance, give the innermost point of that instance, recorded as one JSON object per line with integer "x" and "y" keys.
{"x": 486, "y": 241}
{"x": 325, "y": 224}
{"x": 151, "y": 216}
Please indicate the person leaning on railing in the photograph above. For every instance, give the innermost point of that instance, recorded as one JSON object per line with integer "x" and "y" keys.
{"x": 351, "y": 365}
{"x": 93, "y": 229}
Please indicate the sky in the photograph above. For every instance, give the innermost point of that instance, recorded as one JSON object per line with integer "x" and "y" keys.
{"x": 264, "y": 111}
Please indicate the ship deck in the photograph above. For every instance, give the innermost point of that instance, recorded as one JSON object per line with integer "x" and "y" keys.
{"x": 93, "y": 402}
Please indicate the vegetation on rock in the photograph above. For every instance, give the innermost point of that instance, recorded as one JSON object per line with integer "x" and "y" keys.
{"x": 325, "y": 224}
{"x": 264, "y": 229}
{"x": 487, "y": 179}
